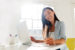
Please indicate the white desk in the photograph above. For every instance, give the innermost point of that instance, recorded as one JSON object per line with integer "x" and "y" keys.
{"x": 14, "y": 47}
{"x": 34, "y": 46}
{"x": 42, "y": 46}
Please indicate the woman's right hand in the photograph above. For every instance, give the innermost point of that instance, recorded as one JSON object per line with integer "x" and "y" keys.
{"x": 49, "y": 41}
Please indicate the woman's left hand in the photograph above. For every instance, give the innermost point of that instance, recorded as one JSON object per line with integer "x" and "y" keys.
{"x": 50, "y": 41}
{"x": 33, "y": 39}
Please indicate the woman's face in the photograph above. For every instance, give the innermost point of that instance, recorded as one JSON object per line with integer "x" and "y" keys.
{"x": 49, "y": 15}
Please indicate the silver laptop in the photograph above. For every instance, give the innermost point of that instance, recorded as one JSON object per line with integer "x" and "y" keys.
{"x": 23, "y": 32}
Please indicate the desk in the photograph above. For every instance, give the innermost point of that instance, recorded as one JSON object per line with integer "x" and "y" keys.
{"x": 42, "y": 46}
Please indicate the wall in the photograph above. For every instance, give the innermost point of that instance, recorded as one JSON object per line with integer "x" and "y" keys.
{"x": 9, "y": 16}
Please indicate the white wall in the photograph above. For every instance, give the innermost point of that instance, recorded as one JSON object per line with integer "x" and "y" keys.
{"x": 9, "y": 16}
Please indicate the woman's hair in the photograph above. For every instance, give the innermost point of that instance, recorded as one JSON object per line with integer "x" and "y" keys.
{"x": 46, "y": 22}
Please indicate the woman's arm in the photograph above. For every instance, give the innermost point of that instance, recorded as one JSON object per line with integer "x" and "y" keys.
{"x": 50, "y": 41}
{"x": 37, "y": 41}
{"x": 62, "y": 34}
{"x": 59, "y": 41}
{"x": 44, "y": 36}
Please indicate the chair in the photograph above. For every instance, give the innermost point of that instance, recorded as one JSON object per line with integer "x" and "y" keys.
{"x": 70, "y": 43}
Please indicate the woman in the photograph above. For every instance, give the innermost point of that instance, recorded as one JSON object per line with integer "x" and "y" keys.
{"x": 53, "y": 29}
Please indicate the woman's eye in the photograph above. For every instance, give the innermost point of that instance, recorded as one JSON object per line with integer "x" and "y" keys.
{"x": 49, "y": 12}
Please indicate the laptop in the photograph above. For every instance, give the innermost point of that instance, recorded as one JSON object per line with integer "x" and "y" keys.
{"x": 23, "y": 33}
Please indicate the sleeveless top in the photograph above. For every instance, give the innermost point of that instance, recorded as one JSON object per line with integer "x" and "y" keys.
{"x": 51, "y": 35}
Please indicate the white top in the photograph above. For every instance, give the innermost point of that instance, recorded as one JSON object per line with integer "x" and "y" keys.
{"x": 51, "y": 35}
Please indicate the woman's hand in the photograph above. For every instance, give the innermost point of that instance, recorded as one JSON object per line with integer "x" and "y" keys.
{"x": 37, "y": 41}
{"x": 49, "y": 41}
{"x": 33, "y": 39}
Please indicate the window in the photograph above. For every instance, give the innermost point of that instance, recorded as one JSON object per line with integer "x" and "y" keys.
{"x": 74, "y": 12}
{"x": 31, "y": 13}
